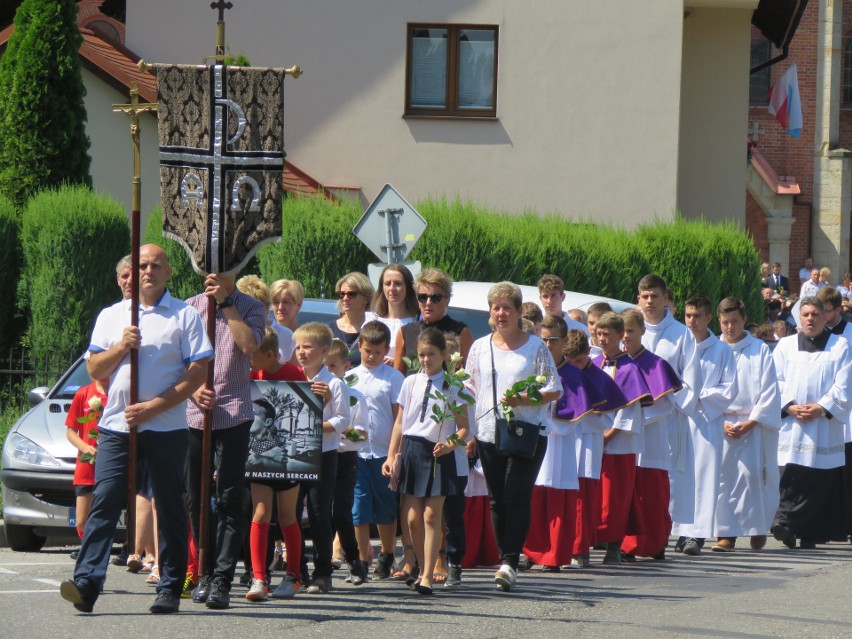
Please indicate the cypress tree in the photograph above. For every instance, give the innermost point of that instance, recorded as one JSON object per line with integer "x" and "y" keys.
{"x": 43, "y": 141}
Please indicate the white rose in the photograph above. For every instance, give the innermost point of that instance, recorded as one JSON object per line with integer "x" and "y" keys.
{"x": 455, "y": 358}
{"x": 95, "y": 403}
{"x": 541, "y": 379}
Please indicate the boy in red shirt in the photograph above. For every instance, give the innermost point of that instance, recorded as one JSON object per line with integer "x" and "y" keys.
{"x": 82, "y": 422}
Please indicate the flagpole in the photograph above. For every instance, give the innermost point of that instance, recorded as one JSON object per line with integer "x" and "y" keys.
{"x": 133, "y": 110}
{"x": 204, "y": 514}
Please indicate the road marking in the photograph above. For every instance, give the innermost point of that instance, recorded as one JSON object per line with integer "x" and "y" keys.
{"x": 49, "y": 582}
{"x": 26, "y": 592}
{"x": 3, "y": 571}
{"x": 37, "y": 563}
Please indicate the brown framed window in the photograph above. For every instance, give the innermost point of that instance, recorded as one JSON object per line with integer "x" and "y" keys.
{"x": 451, "y": 71}
{"x": 846, "y": 84}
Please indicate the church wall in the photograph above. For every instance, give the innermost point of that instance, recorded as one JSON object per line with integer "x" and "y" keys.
{"x": 713, "y": 121}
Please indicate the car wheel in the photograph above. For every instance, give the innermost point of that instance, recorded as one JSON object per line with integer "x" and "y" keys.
{"x": 23, "y": 538}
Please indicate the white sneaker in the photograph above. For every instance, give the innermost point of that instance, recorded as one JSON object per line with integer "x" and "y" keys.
{"x": 287, "y": 589}
{"x": 506, "y": 577}
{"x": 258, "y": 590}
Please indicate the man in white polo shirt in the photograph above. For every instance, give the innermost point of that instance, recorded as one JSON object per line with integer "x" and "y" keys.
{"x": 173, "y": 356}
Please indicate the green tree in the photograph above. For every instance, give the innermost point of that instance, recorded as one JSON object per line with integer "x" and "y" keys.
{"x": 43, "y": 141}
{"x": 10, "y": 264}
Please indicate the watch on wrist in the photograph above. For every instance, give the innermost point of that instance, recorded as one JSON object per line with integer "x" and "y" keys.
{"x": 225, "y": 303}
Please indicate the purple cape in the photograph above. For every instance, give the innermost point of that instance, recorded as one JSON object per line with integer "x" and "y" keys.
{"x": 589, "y": 387}
{"x": 658, "y": 373}
{"x": 579, "y": 395}
{"x": 629, "y": 379}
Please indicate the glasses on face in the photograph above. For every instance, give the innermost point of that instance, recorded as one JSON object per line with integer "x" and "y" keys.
{"x": 550, "y": 340}
{"x": 435, "y": 298}
{"x": 347, "y": 294}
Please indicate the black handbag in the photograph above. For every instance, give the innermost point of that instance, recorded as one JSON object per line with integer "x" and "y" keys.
{"x": 512, "y": 437}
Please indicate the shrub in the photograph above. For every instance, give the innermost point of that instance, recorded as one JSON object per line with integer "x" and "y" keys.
{"x": 72, "y": 239}
{"x": 43, "y": 141}
{"x": 471, "y": 242}
{"x": 317, "y": 246}
{"x": 10, "y": 264}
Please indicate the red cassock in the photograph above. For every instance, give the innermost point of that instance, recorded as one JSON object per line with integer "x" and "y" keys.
{"x": 553, "y": 525}
{"x": 588, "y": 515}
{"x": 481, "y": 546}
{"x": 650, "y": 524}
{"x": 618, "y": 473}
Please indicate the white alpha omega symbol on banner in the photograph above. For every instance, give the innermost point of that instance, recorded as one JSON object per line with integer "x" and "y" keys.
{"x": 218, "y": 159}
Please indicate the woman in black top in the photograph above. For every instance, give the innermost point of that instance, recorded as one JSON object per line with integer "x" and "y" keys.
{"x": 434, "y": 289}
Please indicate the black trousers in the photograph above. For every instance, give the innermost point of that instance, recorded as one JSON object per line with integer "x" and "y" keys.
{"x": 165, "y": 454}
{"x": 454, "y": 518}
{"x": 344, "y": 497}
{"x": 229, "y": 448}
{"x": 320, "y": 495}
{"x": 510, "y": 482}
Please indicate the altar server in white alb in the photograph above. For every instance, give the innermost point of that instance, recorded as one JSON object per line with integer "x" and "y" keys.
{"x": 748, "y": 483}
{"x": 701, "y": 450}
{"x": 672, "y": 341}
{"x": 813, "y": 371}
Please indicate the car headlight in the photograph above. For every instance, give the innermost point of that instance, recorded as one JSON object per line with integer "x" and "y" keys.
{"x": 26, "y": 451}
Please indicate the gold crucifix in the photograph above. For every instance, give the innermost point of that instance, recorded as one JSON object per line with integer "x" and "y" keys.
{"x": 133, "y": 110}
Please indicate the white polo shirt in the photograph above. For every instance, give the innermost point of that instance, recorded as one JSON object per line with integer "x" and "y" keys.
{"x": 172, "y": 336}
{"x": 380, "y": 387}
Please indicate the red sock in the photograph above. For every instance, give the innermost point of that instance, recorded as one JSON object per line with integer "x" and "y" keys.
{"x": 192, "y": 552}
{"x": 293, "y": 541}
{"x": 80, "y": 533}
{"x": 258, "y": 540}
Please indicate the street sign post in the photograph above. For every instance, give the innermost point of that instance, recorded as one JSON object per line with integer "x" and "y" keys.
{"x": 390, "y": 227}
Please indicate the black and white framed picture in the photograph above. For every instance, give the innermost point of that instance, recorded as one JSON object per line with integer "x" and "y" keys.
{"x": 285, "y": 440}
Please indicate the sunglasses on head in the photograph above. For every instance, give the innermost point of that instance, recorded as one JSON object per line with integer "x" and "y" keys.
{"x": 347, "y": 294}
{"x": 435, "y": 298}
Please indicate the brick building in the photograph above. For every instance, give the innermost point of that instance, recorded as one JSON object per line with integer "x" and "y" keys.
{"x": 799, "y": 193}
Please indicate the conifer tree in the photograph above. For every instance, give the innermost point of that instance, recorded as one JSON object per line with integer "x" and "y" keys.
{"x": 43, "y": 141}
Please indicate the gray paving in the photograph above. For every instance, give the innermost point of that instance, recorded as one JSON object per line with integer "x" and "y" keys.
{"x": 744, "y": 595}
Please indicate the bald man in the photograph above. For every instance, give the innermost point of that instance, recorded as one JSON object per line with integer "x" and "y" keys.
{"x": 173, "y": 356}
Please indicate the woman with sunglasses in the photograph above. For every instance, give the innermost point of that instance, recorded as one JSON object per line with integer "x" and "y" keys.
{"x": 354, "y": 293}
{"x": 395, "y": 303}
{"x": 434, "y": 289}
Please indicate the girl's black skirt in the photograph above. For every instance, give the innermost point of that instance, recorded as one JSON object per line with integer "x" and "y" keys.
{"x": 423, "y": 474}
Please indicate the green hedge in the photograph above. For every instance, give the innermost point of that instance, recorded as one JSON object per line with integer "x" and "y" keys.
{"x": 317, "y": 245}
{"x": 72, "y": 239}
{"x": 10, "y": 266}
{"x": 471, "y": 242}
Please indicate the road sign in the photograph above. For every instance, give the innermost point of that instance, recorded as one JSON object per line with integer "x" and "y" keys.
{"x": 390, "y": 227}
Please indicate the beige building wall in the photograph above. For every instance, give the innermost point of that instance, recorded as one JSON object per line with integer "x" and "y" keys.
{"x": 714, "y": 113}
{"x": 588, "y": 97}
{"x": 111, "y": 149}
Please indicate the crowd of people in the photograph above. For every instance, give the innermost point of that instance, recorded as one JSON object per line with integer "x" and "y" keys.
{"x": 555, "y": 434}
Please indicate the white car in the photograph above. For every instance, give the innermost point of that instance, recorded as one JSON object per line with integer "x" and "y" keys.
{"x": 474, "y": 296}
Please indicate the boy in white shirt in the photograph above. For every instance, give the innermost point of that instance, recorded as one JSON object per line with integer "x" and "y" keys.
{"x": 375, "y": 503}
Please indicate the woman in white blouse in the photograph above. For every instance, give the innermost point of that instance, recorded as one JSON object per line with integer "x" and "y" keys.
{"x": 508, "y": 356}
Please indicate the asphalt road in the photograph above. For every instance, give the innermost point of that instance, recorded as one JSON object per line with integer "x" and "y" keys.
{"x": 743, "y": 595}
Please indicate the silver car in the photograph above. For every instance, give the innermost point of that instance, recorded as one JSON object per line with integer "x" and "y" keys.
{"x": 38, "y": 466}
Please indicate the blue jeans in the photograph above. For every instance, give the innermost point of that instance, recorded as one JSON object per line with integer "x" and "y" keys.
{"x": 165, "y": 456}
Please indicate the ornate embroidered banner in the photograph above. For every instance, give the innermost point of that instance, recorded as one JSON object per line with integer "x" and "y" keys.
{"x": 221, "y": 161}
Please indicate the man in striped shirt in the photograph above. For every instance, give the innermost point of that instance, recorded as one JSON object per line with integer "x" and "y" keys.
{"x": 240, "y": 324}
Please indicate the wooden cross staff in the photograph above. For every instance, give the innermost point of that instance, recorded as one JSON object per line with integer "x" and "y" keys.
{"x": 133, "y": 110}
